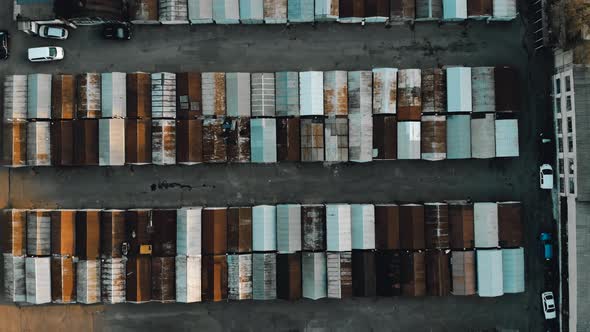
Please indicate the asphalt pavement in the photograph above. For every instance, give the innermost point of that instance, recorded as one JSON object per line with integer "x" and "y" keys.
{"x": 305, "y": 47}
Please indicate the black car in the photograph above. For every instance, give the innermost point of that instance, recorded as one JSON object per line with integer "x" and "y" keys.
{"x": 117, "y": 31}
{"x": 4, "y": 45}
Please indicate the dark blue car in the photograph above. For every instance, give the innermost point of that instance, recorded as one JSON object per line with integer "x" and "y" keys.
{"x": 547, "y": 246}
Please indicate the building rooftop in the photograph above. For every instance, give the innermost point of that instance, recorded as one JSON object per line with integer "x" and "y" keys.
{"x": 34, "y": 9}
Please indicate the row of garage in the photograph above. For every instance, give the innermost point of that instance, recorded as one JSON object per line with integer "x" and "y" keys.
{"x": 408, "y": 93}
{"x": 301, "y": 11}
{"x": 117, "y": 142}
{"x": 264, "y": 252}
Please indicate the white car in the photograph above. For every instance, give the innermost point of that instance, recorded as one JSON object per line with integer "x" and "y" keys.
{"x": 546, "y": 176}
{"x": 52, "y": 32}
{"x": 47, "y": 53}
{"x": 548, "y": 305}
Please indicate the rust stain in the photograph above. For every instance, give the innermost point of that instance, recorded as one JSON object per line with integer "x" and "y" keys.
{"x": 219, "y": 108}
{"x": 89, "y": 95}
{"x": 328, "y": 104}
{"x": 342, "y": 100}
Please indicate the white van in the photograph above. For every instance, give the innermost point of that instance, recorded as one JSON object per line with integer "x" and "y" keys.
{"x": 47, "y": 53}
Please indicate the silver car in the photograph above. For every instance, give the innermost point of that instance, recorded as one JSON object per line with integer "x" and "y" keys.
{"x": 53, "y": 32}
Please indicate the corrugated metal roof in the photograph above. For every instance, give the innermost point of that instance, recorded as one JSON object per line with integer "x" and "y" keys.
{"x": 14, "y": 142}
{"x": 251, "y": 11}
{"x": 504, "y": 9}
{"x": 384, "y": 90}
{"x": 483, "y": 89}
{"x": 336, "y": 139}
{"x": 275, "y": 11}
{"x": 264, "y": 226}
{"x": 326, "y": 10}
{"x": 360, "y": 137}
{"x": 263, "y": 140}
{"x": 459, "y": 89}
{"x": 111, "y": 142}
{"x": 507, "y": 138}
{"x": 314, "y": 275}
{"x": 338, "y": 227}
{"x": 311, "y": 93}
{"x": 409, "y": 94}
{"x": 458, "y": 136}
{"x": 377, "y": 11}
{"x": 313, "y": 225}
{"x": 213, "y": 93}
{"x": 163, "y": 95}
{"x": 226, "y": 11}
{"x": 14, "y": 278}
{"x": 485, "y": 220}
{"x": 363, "y": 226}
{"x": 263, "y": 94}
{"x": 454, "y": 9}
{"x": 489, "y": 273}
{"x": 237, "y": 86}
{"x": 312, "y": 139}
{"x": 408, "y": 140}
{"x": 144, "y": 11}
{"x": 300, "y": 11}
{"x": 360, "y": 92}
{"x": 39, "y": 96}
{"x": 188, "y": 279}
{"x": 188, "y": 231}
{"x": 479, "y": 8}
{"x": 114, "y": 95}
{"x": 433, "y": 132}
{"x": 287, "y": 93}
{"x": 200, "y": 11}
{"x": 463, "y": 272}
{"x": 513, "y": 270}
{"x": 112, "y": 280}
{"x": 428, "y": 9}
{"x": 163, "y": 142}
{"x": 38, "y": 279}
{"x": 434, "y": 90}
{"x": 239, "y": 277}
{"x": 335, "y": 93}
{"x": 483, "y": 140}
{"x": 38, "y": 144}
{"x": 173, "y": 11}
{"x": 264, "y": 276}
{"x": 88, "y": 281}
{"x": 351, "y": 11}
{"x": 15, "y": 97}
{"x": 339, "y": 274}
{"x": 288, "y": 228}
{"x": 238, "y": 140}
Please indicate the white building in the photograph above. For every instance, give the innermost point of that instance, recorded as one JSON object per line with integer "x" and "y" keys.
{"x": 571, "y": 106}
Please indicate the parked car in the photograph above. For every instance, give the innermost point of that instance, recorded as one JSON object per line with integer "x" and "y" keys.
{"x": 47, "y": 53}
{"x": 53, "y": 32}
{"x": 546, "y": 176}
{"x": 117, "y": 31}
{"x": 548, "y": 305}
{"x": 4, "y": 36}
{"x": 547, "y": 244}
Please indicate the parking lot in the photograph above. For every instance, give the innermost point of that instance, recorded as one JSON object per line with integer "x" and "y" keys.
{"x": 304, "y": 47}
